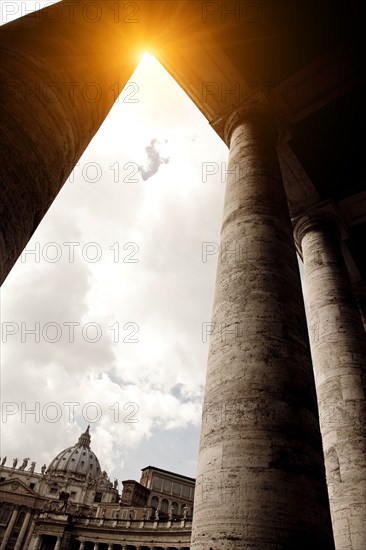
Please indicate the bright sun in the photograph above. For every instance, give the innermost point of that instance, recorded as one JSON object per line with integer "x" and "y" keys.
{"x": 146, "y": 58}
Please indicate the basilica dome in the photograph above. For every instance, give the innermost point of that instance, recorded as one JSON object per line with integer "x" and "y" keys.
{"x": 78, "y": 460}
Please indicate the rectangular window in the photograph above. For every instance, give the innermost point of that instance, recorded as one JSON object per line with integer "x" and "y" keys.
{"x": 167, "y": 486}
{"x": 176, "y": 488}
{"x": 157, "y": 483}
{"x": 98, "y": 497}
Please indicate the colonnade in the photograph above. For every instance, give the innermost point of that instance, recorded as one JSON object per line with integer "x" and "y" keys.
{"x": 85, "y": 544}
{"x": 113, "y": 546}
{"x": 261, "y": 439}
{"x": 12, "y": 524}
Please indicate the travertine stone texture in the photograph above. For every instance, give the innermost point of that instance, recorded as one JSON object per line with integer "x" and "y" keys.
{"x": 338, "y": 344}
{"x": 260, "y": 478}
{"x": 61, "y": 71}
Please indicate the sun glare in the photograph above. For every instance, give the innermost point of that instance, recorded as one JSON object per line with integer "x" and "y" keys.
{"x": 146, "y": 58}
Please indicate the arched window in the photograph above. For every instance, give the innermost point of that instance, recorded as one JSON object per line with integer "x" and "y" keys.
{"x": 155, "y": 502}
{"x": 175, "y": 508}
{"x": 164, "y": 505}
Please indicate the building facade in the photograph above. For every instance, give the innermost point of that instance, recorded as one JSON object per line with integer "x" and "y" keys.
{"x": 73, "y": 505}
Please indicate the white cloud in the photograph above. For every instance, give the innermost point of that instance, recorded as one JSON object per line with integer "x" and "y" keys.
{"x": 166, "y": 295}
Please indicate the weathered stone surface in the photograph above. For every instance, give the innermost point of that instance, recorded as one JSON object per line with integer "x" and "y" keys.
{"x": 260, "y": 478}
{"x": 338, "y": 344}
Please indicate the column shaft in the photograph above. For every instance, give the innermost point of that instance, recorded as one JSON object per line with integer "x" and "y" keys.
{"x": 58, "y": 543}
{"x": 9, "y": 529}
{"x": 260, "y": 475}
{"x": 28, "y": 544}
{"x": 338, "y": 343}
{"x": 35, "y": 543}
{"x": 23, "y": 530}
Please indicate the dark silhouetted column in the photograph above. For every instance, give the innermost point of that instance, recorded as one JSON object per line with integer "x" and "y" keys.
{"x": 61, "y": 71}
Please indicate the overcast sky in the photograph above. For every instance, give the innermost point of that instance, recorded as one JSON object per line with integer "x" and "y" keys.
{"x": 125, "y": 303}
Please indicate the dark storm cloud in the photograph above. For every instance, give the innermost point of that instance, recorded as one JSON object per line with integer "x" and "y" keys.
{"x": 154, "y": 160}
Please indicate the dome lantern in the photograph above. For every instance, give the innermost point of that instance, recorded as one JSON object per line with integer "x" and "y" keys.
{"x": 78, "y": 461}
{"x": 84, "y": 439}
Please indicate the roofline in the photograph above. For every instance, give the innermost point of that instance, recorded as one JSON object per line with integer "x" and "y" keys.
{"x": 133, "y": 481}
{"x": 168, "y": 472}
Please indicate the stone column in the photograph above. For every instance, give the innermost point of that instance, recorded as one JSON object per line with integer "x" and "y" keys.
{"x": 36, "y": 542}
{"x": 338, "y": 344}
{"x": 58, "y": 543}
{"x": 96, "y": 546}
{"x": 9, "y": 528}
{"x": 260, "y": 475}
{"x": 61, "y": 71}
{"x": 29, "y": 541}
{"x": 82, "y": 545}
{"x": 110, "y": 546}
{"x": 18, "y": 544}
